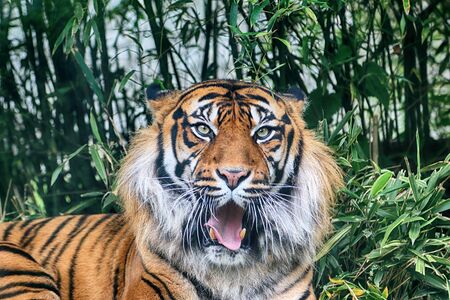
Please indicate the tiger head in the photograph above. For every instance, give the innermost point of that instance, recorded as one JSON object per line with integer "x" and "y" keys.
{"x": 227, "y": 174}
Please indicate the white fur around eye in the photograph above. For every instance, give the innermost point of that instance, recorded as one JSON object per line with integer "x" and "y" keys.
{"x": 202, "y": 131}
{"x": 265, "y": 139}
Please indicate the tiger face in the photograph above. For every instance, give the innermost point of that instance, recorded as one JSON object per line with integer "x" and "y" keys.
{"x": 227, "y": 174}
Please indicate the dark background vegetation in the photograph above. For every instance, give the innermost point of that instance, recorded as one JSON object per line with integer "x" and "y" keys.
{"x": 72, "y": 79}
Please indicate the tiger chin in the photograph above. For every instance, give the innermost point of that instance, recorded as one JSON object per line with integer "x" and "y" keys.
{"x": 226, "y": 195}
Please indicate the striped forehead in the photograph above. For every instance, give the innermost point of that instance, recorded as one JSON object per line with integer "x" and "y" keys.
{"x": 255, "y": 103}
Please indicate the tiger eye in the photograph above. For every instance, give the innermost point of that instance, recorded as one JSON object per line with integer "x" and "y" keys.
{"x": 263, "y": 132}
{"x": 203, "y": 129}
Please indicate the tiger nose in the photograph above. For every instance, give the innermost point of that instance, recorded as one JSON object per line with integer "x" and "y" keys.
{"x": 233, "y": 177}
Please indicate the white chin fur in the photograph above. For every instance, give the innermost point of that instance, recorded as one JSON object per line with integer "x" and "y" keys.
{"x": 219, "y": 256}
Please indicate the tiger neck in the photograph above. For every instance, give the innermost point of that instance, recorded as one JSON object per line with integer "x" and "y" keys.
{"x": 207, "y": 282}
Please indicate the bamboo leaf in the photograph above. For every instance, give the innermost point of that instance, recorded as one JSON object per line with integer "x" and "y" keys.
{"x": 380, "y": 183}
{"x": 254, "y": 16}
{"x": 125, "y": 79}
{"x": 406, "y": 6}
{"x": 89, "y": 76}
{"x": 58, "y": 169}
{"x": 98, "y": 163}
{"x": 63, "y": 34}
{"x": 56, "y": 173}
{"x": 414, "y": 232}
{"x": 311, "y": 14}
{"x": 233, "y": 14}
{"x": 332, "y": 241}
{"x": 391, "y": 227}
{"x": 94, "y": 127}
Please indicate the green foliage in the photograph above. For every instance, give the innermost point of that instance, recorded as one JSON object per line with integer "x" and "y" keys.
{"x": 391, "y": 238}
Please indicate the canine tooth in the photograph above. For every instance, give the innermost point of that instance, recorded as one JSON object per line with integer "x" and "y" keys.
{"x": 242, "y": 233}
{"x": 212, "y": 235}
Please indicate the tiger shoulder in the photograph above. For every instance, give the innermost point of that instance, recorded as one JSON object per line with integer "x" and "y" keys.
{"x": 226, "y": 195}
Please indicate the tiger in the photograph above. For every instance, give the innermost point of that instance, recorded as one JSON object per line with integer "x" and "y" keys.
{"x": 225, "y": 195}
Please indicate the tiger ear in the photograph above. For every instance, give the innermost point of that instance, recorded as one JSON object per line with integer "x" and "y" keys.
{"x": 160, "y": 102}
{"x": 296, "y": 99}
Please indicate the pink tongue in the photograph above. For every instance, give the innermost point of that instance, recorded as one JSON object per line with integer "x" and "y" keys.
{"x": 227, "y": 224}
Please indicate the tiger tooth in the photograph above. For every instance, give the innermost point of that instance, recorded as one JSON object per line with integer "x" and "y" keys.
{"x": 212, "y": 235}
{"x": 242, "y": 233}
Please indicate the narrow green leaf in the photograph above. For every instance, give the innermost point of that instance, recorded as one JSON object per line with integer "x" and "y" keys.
{"x": 58, "y": 169}
{"x": 380, "y": 183}
{"x": 412, "y": 181}
{"x": 63, "y": 34}
{"x": 402, "y": 25}
{"x": 414, "y": 232}
{"x": 433, "y": 281}
{"x": 87, "y": 32}
{"x": 98, "y": 163}
{"x": 75, "y": 153}
{"x": 97, "y": 35}
{"x": 233, "y": 14}
{"x": 80, "y": 206}
{"x": 420, "y": 266}
{"x": 254, "y": 17}
{"x": 125, "y": 79}
{"x": 110, "y": 199}
{"x": 56, "y": 173}
{"x": 92, "y": 194}
{"x": 442, "y": 206}
{"x": 285, "y": 42}
{"x": 89, "y": 76}
{"x": 406, "y": 6}
{"x": 341, "y": 125}
{"x": 434, "y": 166}
{"x": 94, "y": 127}
{"x": 418, "y": 152}
{"x": 332, "y": 241}
{"x": 78, "y": 11}
{"x": 391, "y": 227}
{"x": 311, "y": 14}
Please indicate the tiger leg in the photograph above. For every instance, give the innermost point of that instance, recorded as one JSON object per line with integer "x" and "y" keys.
{"x": 22, "y": 277}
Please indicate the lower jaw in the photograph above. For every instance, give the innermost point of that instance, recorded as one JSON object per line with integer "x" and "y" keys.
{"x": 220, "y": 256}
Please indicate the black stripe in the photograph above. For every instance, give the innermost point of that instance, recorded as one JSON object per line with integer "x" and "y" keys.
{"x": 291, "y": 180}
{"x": 19, "y": 293}
{"x": 33, "y": 285}
{"x": 10, "y": 249}
{"x": 231, "y": 85}
{"x": 154, "y": 287}
{"x": 8, "y": 272}
{"x": 163, "y": 175}
{"x": 116, "y": 283}
{"x": 279, "y": 172}
{"x": 79, "y": 226}
{"x": 55, "y": 233}
{"x": 210, "y": 96}
{"x": 302, "y": 276}
{"x": 252, "y": 97}
{"x": 160, "y": 281}
{"x": 202, "y": 291}
{"x": 112, "y": 231}
{"x": 306, "y": 294}
{"x": 24, "y": 224}
{"x": 225, "y": 85}
{"x": 27, "y": 237}
{"x": 77, "y": 250}
{"x": 8, "y": 230}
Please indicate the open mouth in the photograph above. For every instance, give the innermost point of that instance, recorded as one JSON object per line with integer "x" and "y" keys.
{"x": 228, "y": 227}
